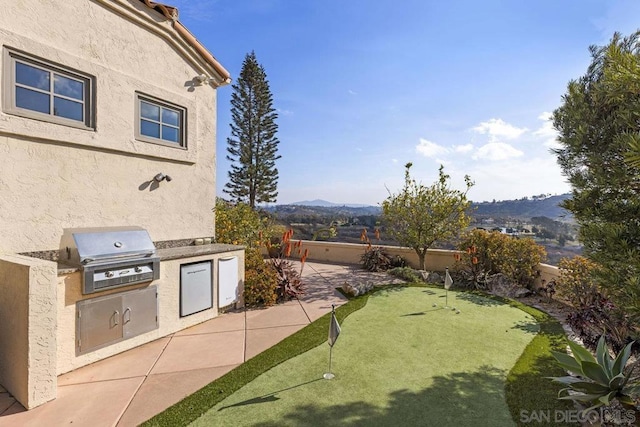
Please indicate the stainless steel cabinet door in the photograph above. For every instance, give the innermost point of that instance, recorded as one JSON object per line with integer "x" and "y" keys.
{"x": 139, "y": 311}
{"x": 98, "y": 323}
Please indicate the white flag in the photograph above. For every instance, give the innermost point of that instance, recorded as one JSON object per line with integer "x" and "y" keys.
{"x": 448, "y": 281}
{"x": 334, "y": 329}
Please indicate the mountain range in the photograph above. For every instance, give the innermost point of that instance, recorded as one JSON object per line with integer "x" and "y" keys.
{"x": 522, "y": 208}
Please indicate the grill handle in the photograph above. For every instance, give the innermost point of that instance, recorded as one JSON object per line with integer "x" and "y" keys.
{"x": 147, "y": 254}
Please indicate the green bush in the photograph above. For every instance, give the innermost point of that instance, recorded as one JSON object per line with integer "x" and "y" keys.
{"x": 487, "y": 253}
{"x": 260, "y": 280}
{"x": 238, "y": 224}
{"x": 406, "y": 273}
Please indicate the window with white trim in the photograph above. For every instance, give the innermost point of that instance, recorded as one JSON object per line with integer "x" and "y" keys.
{"x": 41, "y": 90}
{"x": 160, "y": 122}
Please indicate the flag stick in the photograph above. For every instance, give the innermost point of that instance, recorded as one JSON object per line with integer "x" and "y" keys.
{"x": 334, "y": 331}
{"x": 329, "y": 375}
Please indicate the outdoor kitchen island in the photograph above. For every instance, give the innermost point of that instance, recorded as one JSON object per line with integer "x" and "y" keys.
{"x": 44, "y": 310}
{"x": 222, "y": 264}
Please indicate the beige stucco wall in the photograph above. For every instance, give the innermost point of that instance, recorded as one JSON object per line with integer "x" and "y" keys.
{"x": 547, "y": 274}
{"x": 28, "y": 329}
{"x": 169, "y": 320}
{"x": 56, "y": 177}
{"x": 350, "y": 253}
{"x": 436, "y": 259}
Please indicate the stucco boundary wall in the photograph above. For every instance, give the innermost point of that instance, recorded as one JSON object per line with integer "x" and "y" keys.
{"x": 28, "y": 323}
{"x": 436, "y": 259}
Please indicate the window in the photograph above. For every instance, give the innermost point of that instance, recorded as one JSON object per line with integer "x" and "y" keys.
{"x": 40, "y": 90}
{"x": 160, "y": 122}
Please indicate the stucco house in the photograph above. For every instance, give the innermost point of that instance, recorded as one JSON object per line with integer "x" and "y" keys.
{"x": 107, "y": 126}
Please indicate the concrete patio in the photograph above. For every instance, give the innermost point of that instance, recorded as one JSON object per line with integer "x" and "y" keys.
{"x": 131, "y": 387}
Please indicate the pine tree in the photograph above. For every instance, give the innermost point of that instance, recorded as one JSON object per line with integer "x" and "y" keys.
{"x": 253, "y": 145}
{"x": 598, "y": 124}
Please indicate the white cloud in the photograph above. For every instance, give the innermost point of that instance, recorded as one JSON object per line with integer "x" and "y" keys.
{"x": 467, "y": 148}
{"x": 430, "y": 149}
{"x": 352, "y": 92}
{"x": 516, "y": 178}
{"x": 495, "y": 151}
{"x": 284, "y": 112}
{"x": 497, "y": 128}
{"x": 546, "y": 131}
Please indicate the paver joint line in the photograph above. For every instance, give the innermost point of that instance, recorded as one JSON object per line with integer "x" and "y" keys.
{"x": 133, "y": 396}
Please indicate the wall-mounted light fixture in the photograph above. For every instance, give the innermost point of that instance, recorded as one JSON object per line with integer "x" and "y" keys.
{"x": 201, "y": 79}
{"x": 161, "y": 177}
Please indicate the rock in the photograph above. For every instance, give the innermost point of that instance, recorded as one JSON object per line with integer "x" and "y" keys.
{"x": 501, "y": 285}
{"x": 431, "y": 277}
{"x": 521, "y": 292}
{"x": 356, "y": 289}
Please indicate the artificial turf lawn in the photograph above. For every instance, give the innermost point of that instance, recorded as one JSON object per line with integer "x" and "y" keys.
{"x": 398, "y": 361}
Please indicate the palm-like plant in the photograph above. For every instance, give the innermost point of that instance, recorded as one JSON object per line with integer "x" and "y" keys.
{"x": 600, "y": 379}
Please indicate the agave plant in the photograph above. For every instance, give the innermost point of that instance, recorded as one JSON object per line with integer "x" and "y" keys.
{"x": 600, "y": 379}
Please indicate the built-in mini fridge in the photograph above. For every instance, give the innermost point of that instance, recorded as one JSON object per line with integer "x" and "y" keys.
{"x": 196, "y": 287}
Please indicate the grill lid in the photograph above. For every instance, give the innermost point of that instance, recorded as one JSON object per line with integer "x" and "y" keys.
{"x": 82, "y": 246}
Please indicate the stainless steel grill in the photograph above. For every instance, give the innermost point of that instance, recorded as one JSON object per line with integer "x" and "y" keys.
{"x": 110, "y": 257}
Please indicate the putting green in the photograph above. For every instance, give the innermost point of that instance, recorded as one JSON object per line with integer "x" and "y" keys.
{"x": 399, "y": 361}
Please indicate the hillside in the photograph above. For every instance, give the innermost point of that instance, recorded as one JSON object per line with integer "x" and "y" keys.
{"x": 525, "y": 208}
{"x": 521, "y": 209}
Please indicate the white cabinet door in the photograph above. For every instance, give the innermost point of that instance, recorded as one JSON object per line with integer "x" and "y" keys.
{"x": 227, "y": 281}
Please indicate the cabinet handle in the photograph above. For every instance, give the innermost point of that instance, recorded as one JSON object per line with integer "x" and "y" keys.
{"x": 126, "y": 319}
{"x": 116, "y": 318}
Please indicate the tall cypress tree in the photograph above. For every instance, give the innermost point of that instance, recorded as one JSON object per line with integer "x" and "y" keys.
{"x": 253, "y": 145}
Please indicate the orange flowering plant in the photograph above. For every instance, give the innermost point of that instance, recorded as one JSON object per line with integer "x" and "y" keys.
{"x": 290, "y": 283}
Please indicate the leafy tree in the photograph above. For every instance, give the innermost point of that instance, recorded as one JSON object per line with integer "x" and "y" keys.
{"x": 419, "y": 216}
{"x": 253, "y": 145}
{"x": 598, "y": 122}
{"x": 238, "y": 224}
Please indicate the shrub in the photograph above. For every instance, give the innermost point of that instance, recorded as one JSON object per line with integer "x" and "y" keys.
{"x": 260, "y": 280}
{"x": 486, "y": 253}
{"x": 375, "y": 259}
{"x": 398, "y": 262}
{"x": 576, "y": 283}
{"x": 290, "y": 283}
{"x": 519, "y": 260}
{"x": 594, "y": 313}
{"x": 599, "y": 316}
{"x": 238, "y": 224}
{"x": 406, "y": 273}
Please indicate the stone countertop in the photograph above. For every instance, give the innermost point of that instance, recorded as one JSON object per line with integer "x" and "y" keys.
{"x": 173, "y": 253}
{"x": 196, "y": 250}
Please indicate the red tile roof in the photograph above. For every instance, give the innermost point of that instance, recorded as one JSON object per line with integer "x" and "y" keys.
{"x": 171, "y": 13}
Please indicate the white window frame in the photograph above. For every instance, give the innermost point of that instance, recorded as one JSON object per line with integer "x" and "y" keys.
{"x": 11, "y": 57}
{"x": 182, "y": 126}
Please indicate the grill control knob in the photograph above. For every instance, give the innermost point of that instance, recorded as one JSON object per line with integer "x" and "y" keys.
{"x": 109, "y": 274}
{"x": 137, "y": 269}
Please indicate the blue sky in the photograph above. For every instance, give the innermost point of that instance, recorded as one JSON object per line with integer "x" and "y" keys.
{"x": 363, "y": 87}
